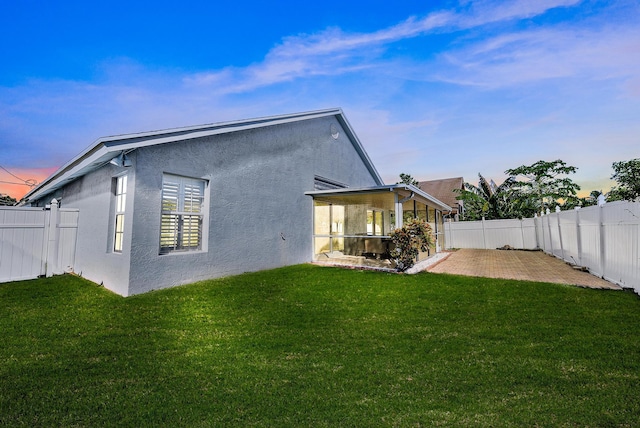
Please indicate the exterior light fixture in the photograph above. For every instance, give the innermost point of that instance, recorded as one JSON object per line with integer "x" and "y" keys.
{"x": 121, "y": 160}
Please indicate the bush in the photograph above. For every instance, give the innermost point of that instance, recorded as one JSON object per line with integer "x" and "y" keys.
{"x": 409, "y": 240}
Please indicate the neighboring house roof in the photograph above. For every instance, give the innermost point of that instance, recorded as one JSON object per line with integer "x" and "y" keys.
{"x": 405, "y": 189}
{"x": 444, "y": 190}
{"x": 105, "y": 149}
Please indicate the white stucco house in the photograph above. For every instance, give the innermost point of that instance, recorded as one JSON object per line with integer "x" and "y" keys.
{"x": 164, "y": 208}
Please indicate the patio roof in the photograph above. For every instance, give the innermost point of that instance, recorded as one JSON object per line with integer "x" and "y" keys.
{"x": 402, "y": 190}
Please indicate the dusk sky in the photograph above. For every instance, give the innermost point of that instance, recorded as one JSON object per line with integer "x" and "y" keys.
{"x": 435, "y": 89}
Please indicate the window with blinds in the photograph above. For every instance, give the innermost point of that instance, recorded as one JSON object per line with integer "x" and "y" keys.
{"x": 182, "y": 214}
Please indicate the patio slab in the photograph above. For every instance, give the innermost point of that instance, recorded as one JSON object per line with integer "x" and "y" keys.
{"x": 520, "y": 265}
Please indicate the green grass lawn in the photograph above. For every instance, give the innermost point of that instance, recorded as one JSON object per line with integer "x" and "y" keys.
{"x": 314, "y": 346}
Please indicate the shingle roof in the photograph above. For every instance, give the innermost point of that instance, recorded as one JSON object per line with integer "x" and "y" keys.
{"x": 443, "y": 190}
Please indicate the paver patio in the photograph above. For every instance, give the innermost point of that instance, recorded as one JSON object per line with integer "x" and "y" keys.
{"x": 520, "y": 265}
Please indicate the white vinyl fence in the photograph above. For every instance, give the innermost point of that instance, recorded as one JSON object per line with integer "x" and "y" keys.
{"x": 605, "y": 239}
{"x": 36, "y": 241}
{"x": 491, "y": 234}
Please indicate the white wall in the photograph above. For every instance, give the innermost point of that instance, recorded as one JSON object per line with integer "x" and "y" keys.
{"x": 93, "y": 196}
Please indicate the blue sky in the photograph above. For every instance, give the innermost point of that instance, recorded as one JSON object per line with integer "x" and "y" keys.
{"x": 433, "y": 89}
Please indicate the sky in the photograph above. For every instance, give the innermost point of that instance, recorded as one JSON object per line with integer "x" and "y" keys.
{"x": 434, "y": 89}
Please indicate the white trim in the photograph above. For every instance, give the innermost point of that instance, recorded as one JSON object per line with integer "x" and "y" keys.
{"x": 119, "y": 210}
{"x": 184, "y": 188}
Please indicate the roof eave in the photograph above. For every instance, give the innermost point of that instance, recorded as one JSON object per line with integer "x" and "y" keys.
{"x": 99, "y": 150}
{"x": 407, "y": 188}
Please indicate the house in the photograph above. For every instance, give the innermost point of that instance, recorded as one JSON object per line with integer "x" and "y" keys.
{"x": 445, "y": 190}
{"x": 165, "y": 208}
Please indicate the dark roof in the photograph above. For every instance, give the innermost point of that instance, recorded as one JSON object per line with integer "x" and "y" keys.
{"x": 443, "y": 189}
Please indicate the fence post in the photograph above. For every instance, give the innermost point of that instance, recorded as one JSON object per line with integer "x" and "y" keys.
{"x": 549, "y": 227}
{"x": 560, "y": 233}
{"x": 601, "y": 204}
{"x": 45, "y": 241}
{"x": 535, "y": 229}
{"x": 578, "y": 235}
{"x": 51, "y": 260}
{"x": 484, "y": 234}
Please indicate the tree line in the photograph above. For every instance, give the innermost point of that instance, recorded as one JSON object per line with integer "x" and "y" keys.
{"x": 7, "y": 200}
{"x": 531, "y": 189}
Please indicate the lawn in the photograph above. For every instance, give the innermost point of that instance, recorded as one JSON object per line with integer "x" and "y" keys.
{"x": 313, "y": 346}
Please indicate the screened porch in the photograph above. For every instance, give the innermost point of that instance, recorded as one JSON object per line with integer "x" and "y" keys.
{"x": 352, "y": 226}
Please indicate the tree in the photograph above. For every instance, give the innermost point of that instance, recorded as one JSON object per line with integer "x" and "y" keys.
{"x": 407, "y": 179}
{"x": 627, "y": 175}
{"x": 588, "y": 201}
{"x": 592, "y": 199}
{"x": 491, "y": 201}
{"x": 7, "y": 200}
{"x": 545, "y": 183}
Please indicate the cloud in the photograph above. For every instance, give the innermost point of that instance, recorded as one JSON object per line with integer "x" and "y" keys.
{"x": 389, "y": 81}
{"x": 485, "y": 12}
{"x": 334, "y": 52}
{"x": 537, "y": 55}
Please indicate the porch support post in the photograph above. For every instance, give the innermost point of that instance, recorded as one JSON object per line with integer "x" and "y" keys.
{"x": 398, "y": 205}
{"x": 437, "y": 232}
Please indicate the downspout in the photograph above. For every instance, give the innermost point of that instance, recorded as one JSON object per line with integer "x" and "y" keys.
{"x": 411, "y": 196}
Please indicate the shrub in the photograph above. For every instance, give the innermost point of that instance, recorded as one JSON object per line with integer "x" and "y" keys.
{"x": 412, "y": 238}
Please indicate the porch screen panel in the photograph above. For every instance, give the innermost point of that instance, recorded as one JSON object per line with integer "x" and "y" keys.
{"x": 182, "y": 214}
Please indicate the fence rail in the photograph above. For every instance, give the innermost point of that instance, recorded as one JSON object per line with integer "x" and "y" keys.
{"x": 605, "y": 239}
{"x": 36, "y": 241}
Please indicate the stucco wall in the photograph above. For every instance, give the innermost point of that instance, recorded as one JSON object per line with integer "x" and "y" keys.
{"x": 259, "y": 217}
{"x": 95, "y": 260}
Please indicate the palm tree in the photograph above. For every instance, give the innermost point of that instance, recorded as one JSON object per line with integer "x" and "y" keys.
{"x": 490, "y": 201}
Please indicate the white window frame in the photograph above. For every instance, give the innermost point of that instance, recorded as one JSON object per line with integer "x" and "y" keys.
{"x": 183, "y": 214}
{"x": 119, "y": 212}
{"x": 375, "y": 215}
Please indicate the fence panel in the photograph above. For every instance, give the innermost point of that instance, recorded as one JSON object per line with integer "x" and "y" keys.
{"x": 590, "y": 239}
{"x": 620, "y": 223}
{"x": 570, "y": 247}
{"x": 36, "y": 241}
{"x": 554, "y": 235}
{"x": 68, "y": 232}
{"x": 491, "y": 234}
{"x": 21, "y": 243}
{"x": 466, "y": 234}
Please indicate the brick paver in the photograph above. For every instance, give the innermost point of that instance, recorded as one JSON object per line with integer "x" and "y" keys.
{"x": 522, "y": 265}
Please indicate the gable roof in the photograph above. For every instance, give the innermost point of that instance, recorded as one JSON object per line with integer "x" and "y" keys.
{"x": 103, "y": 150}
{"x": 443, "y": 189}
